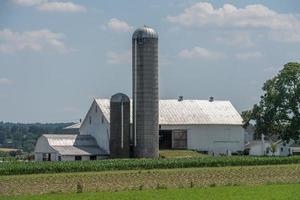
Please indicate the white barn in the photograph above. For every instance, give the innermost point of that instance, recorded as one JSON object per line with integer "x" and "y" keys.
{"x": 209, "y": 126}
{"x": 214, "y": 127}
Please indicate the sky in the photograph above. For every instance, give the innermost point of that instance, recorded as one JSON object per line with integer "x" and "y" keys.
{"x": 57, "y": 56}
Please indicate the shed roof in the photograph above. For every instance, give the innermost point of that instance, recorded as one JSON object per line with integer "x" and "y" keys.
{"x": 74, "y": 144}
{"x": 184, "y": 112}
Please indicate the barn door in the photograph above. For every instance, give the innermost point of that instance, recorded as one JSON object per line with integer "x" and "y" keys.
{"x": 179, "y": 139}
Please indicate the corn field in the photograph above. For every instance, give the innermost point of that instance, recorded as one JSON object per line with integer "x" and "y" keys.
{"x": 15, "y": 168}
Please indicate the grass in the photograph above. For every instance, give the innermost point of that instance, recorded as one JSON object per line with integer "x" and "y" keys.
{"x": 147, "y": 179}
{"x": 8, "y": 150}
{"x": 262, "y": 192}
{"x": 180, "y": 154}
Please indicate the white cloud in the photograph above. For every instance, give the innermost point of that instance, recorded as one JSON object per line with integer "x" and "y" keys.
{"x": 52, "y": 6}
{"x": 198, "y": 52}
{"x": 38, "y": 40}
{"x": 248, "y": 55}
{"x": 5, "y": 81}
{"x": 119, "y": 57}
{"x": 252, "y": 16}
{"x": 61, "y": 7}
{"x": 236, "y": 39}
{"x": 29, "y": 2}
{"x": 119, "y": 25}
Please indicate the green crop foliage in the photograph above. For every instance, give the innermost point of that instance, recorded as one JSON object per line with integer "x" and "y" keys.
{"x": 14, "y": 168}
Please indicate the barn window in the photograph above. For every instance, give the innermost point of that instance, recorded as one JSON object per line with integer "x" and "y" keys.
{"x": 77, "y": 158}
{"x": 96, "y": 108}
{"x": 59, "y": 158}
{"x": 93, "y": 157}
{"x": 281, "y": 149}
{"x": 90, "y": 119}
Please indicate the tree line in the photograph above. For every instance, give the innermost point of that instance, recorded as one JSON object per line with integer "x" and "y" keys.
{"x": 24, "y": 136}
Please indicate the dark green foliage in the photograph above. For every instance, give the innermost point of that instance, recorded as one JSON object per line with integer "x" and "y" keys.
{"x": 278, "y": 112}
{"x": 11, "y": 168}
{"x": 24, "y": 136}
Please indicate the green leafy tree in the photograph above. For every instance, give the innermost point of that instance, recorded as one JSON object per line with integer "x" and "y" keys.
{"x": 272, "y": 148}
{"x": 278, "y": 112}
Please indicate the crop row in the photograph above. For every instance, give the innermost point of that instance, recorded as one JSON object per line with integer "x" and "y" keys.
{"x": 14, "y": 168}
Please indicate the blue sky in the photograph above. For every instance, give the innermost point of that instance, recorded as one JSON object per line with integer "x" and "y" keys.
{"x": 56, "y": 56}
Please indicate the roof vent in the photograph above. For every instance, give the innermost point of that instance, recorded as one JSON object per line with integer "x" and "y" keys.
{"x": 211, "y": 99}
{"x": 180, "y": 98}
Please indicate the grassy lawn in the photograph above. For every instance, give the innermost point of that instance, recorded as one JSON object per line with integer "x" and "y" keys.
{"x": 148, "y": 179}
{"x": 263, "y": 192}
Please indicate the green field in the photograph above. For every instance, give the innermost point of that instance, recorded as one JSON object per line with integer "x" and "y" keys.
{"x": 180, "y": 154}
{"x": 14, "y": 168}
{"x": 262, "y": 192}
{"x": 148, "y": 179}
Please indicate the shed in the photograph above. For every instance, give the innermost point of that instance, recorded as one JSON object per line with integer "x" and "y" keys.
{"x": 51, "y": 147}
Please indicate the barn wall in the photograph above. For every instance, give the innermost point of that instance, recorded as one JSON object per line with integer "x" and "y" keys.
{"x": 67, "y": 158}
{"x": 38, "y": 156}
{"x": 99, "y": 130}
{"x": 212, "y": 138}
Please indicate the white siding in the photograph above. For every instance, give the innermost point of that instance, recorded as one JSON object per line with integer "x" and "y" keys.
{"x": 99, "y": 130}
{"x": 67, "y": 158}
{"x": 259, "y": 148}
{"x": 212, "y": 138}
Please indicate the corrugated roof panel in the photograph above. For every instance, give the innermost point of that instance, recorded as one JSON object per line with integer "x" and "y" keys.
{"x": 189, "y": 112}
{"x": 79, "y": 150}
{"x": 74, "y": 144}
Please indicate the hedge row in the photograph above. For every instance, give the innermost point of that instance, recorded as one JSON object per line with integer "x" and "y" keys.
{"x": 14, "y": 168}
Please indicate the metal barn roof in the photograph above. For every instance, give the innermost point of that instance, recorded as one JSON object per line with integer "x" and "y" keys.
{"x": 172, "y": 112}
{"x": 74, "y": 126}
{"x": 74, "y": 144}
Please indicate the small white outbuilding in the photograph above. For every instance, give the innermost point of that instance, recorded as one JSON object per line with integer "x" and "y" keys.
{"x": 50, "y": 147}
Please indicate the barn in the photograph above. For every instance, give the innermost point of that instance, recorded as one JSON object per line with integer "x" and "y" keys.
{"x": 204, "y": 125}
{"x": 210, "y": 126}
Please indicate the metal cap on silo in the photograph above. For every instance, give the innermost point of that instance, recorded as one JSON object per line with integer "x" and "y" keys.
{"x": 119, "y": 97}
{"x": 144, "y": 32}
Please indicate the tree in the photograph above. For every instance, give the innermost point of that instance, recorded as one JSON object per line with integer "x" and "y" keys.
{"x": 278, "y": 112}
{"x": 272, "y": 148}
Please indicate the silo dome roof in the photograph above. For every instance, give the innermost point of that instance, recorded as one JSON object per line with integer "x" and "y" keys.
{"x": 144, "y": 32}
{"x": 120, "y": 97}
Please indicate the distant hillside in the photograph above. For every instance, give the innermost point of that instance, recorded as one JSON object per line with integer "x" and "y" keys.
{"x": 24, "y": 136}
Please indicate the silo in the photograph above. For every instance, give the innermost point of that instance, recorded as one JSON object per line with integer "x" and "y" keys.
{"x": 119, "y": 142}
{"x": 145, "y": 92}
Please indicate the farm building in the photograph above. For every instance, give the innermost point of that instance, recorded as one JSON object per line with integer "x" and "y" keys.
{"x": 67, "y": 148}
{"x": 263, "y": 147}
{"x": 208, "y": 126}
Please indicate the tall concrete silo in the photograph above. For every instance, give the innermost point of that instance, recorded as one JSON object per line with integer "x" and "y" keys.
{"x": 145, "y": 92}
{"x": 119, "y": 142}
